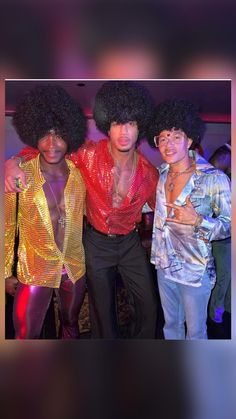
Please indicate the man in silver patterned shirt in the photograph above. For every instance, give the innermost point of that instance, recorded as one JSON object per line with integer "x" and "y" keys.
{"x": 193, "y": 208}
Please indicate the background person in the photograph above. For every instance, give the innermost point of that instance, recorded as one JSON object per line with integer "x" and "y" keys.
{"x": 220, "y": 300}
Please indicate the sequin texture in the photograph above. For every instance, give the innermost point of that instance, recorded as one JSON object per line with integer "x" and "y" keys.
{"x": 96, "y": 165}
{"x": 40, "y": 261}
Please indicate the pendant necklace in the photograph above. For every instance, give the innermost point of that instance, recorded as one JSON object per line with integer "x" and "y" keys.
{"x": 61, "y": 220}
{"x": 174, "y": 175}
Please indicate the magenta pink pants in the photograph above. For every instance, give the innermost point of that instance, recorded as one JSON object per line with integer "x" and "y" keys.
{"x": 31, "y": 304}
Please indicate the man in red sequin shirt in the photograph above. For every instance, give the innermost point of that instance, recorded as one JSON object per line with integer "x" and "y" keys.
{"x": 119, "y": 181}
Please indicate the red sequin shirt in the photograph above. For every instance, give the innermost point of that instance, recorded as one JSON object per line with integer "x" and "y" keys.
{"x": 96, "y": 163}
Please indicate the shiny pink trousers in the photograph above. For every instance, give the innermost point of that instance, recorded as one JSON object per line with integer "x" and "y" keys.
{"x": 31, "y": 304}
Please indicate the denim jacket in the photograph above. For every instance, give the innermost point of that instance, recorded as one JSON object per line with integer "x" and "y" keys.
{"x": 184, "y": 252}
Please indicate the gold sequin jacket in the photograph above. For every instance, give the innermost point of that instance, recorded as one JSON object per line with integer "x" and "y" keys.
{"x": 39, "y": 259}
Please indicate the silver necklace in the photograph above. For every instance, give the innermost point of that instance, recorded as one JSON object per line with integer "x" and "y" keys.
{"x": 61, "y": 220}
{"x": 174, "y": 175}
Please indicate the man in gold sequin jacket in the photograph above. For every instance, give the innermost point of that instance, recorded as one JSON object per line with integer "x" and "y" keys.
{"x": 48, "y": 215}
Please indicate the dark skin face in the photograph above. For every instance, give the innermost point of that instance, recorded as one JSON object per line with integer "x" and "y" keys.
{"x": 52, "y": 148}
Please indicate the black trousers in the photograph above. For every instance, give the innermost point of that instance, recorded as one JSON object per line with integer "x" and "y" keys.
{"x": 104, "y": 256}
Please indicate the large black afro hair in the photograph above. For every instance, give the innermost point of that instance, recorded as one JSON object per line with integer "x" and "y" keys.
{"x": 49, "y": 107}
{"x": 123, "y": 101}
{"x": 178, "y": 114}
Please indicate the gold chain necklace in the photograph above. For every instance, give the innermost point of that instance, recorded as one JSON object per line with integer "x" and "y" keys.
{"x": 61, "y": 220}
{"x": 117, "y": 198}
{"x": 174, "y": 175}
{"x": 132, "y": 171}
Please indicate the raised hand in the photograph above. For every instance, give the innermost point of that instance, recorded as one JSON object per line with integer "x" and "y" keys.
{"x": 15, "y": 180}
{"x": 184, "y": 214}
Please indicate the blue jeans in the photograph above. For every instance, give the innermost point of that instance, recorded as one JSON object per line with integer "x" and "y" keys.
{"x": 182, "y": 303}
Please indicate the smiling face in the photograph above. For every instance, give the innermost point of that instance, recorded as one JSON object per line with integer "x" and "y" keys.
{"x": 123, "y": 137}
{"x": 52, "y": 148}
{"x": 173, "y": 145}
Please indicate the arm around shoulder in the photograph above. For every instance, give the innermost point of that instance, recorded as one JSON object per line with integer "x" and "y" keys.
{"x": 14, "y": 175}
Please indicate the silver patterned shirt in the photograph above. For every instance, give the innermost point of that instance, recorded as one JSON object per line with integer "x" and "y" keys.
{"x": 184, "y": 252}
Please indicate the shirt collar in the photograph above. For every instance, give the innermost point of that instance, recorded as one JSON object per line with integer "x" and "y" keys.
{"x": 38, "y": 176}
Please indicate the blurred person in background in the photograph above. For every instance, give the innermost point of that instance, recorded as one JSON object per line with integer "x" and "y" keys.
{"x": 48, "y": 215}
{"x": 220, "y": 301}
{"x": 221, "y": 158}
{"x": 25, "y": 42}
{"x": 192, "y": 209}
{"x": 206, "y": 52}
{"x": 119, "y": 181}
{"x": 125, "y": 40}
{"x": 118, "y": 39}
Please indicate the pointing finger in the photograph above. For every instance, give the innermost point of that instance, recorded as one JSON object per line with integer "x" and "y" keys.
{"x": 188, "y": 202}
{"x": 167, "y": 204}
{"x": 174, "y": 220}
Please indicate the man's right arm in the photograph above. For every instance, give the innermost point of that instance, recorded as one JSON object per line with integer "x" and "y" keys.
{"x": 10, "y": 234}
{"x": 15, "y": 179}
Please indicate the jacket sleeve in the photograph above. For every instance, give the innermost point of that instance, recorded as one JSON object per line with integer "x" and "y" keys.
{"x": 10, "y": 232}
{"x": 218, "y": 226}
{"x": 28, "y": 153}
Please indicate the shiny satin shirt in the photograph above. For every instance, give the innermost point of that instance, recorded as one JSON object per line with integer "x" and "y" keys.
{"x": 184, "y": 252}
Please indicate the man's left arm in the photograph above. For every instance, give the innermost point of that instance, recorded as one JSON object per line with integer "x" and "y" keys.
{"x": 219, "y": 226}
{"x": 151, "y": 201}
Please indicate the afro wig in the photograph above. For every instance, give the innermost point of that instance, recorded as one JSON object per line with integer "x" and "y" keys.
{"x": 178, "y": 114}
{"x": 123, "y": 101}
{"x": 49, "y": 107}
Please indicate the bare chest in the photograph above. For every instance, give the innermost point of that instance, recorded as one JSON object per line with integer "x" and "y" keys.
{"x": 122, "y": 181}
{"x": 54, "y": 193}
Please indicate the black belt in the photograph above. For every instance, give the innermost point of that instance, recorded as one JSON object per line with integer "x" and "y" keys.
{"x": 90, "y": 227}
